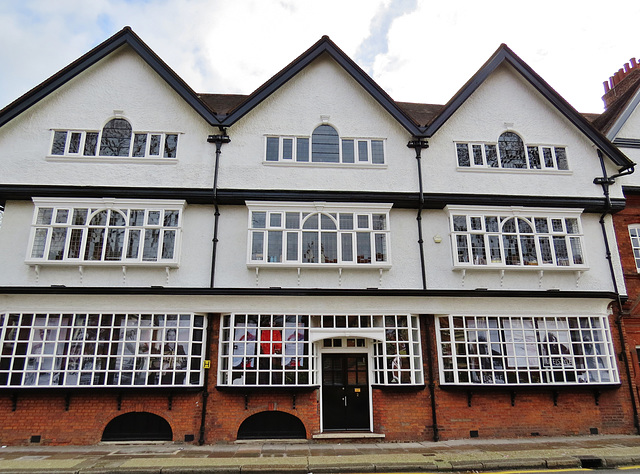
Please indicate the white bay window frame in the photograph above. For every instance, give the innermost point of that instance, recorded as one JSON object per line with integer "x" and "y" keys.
{"x": 105, "y": 232}
{"x": 135, "y": 350}
{"x": 531, "y": 350}
{"x": 516, "y": 238}
{"x": 294, "y": 235}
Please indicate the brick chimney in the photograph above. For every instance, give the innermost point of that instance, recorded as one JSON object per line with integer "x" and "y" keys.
{"x": 621, "y": 82}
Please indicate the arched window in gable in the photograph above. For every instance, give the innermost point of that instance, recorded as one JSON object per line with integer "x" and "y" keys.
{"x": 116, "y": 138}
{"x": 512, "y": 153}
{"x": 325, "y": 145}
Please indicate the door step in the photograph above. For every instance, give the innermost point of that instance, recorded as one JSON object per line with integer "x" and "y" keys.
{"x": 349, "y": 435}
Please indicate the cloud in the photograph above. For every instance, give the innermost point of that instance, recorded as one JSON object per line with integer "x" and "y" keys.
{"x": 376, "y": 42}
{"x": 417, "y": 50}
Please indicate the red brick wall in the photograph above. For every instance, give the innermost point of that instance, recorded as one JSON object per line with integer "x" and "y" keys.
{"x": 44, "y": 414}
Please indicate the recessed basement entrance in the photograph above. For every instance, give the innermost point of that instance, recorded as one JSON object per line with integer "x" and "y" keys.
{"x": 138, "y": 426}
{"x": 272, "y": 425}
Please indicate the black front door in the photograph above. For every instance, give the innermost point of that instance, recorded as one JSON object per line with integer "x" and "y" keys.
{"x": 345, "y": 392}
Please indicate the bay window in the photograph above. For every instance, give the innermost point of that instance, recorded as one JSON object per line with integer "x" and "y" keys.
{"x": 319, "y": 234}
{"x": 525, "y": 350}
{"x": 516, "y": 238}
{"x": 101, "y": 350}
{"x": 105, "y": 231}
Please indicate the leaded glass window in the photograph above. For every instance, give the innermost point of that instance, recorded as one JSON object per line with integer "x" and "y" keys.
{"x": 301, "y": 235}
{"x": 525, "y": 350}
{"x": 513, "y": 154}
{"x": 116, "y": 139}
{"x": 101, "y": 350}
{"x": 86, "y": 232}
{"x": 265, "y": 349}
{"x": 634, "y": 234}
{"x": 491, "y": 237}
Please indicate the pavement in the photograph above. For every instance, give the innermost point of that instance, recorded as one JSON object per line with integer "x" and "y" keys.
{"x": 278, "y": 456}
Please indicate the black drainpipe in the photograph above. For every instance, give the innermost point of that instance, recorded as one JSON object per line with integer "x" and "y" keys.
{"x": 605, "y": 182}
{"x": 428, "y": 323}
{"x": 205, "y": 392}
{"x": 218, "y": 140}
{"x": 419, "y": 145}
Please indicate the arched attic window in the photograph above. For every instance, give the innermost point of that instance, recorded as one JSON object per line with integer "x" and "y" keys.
{"x": 116, "y": 138}
{"x": 325, "y": 144}
{"x": 512, "y": 153}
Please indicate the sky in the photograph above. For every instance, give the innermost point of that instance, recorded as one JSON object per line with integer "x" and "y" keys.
{"x": 416, "y": 50}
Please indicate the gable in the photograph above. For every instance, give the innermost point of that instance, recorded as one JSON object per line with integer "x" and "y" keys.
{"x": 321, "y": 94}
{"x": 124, "y": 36}
{"x": 506, "y": 102}
{"x": 504, "y": 55}
{"x": 123, "y": 85}
{"x": 631, "y": 127}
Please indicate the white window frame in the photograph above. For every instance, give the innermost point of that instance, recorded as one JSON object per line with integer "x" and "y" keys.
{"x": 94, "y": 206}
{"x": 531, "y": 350}
{"x": 530, "y": 167}
{"x": 308, "y": 161}
{"x": 98, "y": 157}
{"x": 529, "y": 215}
{"x": 265, "y": 350}
{"x": 292, "y": 360}
{"x": 322, "y": 208}
{"x": 634, "y": 235}
{"x": 62, "y": 350}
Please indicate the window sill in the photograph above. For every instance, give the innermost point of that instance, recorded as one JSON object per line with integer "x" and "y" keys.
{"x": 47, "y": 263}
{"x": 514, "y": 387}
{"x": 479, "y": 169}
{"x": 111, "y": 159}
{"x": 520, "y": 268}
{"x": 262, "y": 388}
{"x": 326, "y": 165}
{"x": 320, "y": 266}
{"x": 399, "y": 387}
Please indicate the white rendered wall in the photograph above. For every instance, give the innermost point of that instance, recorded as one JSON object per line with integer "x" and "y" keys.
{"x": 232, "y": 270}
{"x": 505, "y": 101}
{"x": 306, "y": 305}
{"x": 121, "y": 82}
{"x": 322, "y": 89}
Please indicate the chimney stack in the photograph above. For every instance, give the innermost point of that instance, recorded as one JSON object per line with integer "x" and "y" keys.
{"x": 618, "y": 83}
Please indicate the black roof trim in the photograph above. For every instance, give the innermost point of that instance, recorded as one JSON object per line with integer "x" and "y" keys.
{"x": 20, "y": 192}
{"x": 324, "y": 45}
{"x": 505, "y": 54}
{"x": 124, "y": 36}
{"x": 368, "y": 292}
{"x": 239, "y": 196}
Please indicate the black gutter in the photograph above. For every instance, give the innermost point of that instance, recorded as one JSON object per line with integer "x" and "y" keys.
{"x": 205, "y": 391}
{"x": 218, "y": 140}
{"x": 409, "y": 200}
{"x": 606, "y": 181}
{"x": 367, "y": 292}
{"x": 419, "y": 145}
